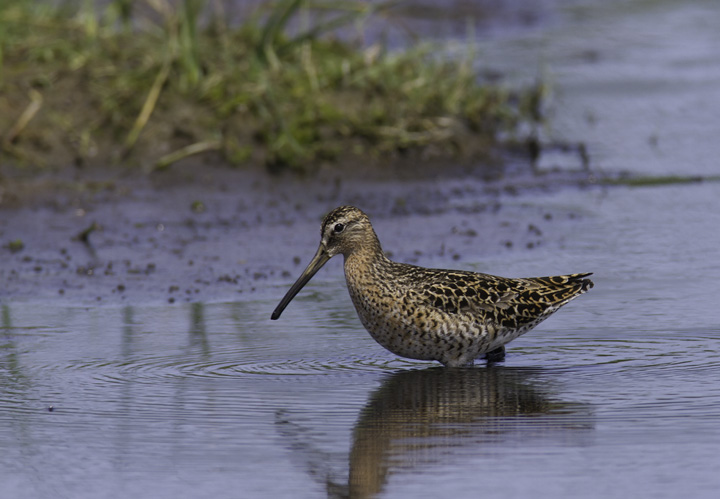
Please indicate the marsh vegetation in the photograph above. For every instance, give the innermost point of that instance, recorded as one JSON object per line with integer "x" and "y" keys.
{"x": 293, "y": 85}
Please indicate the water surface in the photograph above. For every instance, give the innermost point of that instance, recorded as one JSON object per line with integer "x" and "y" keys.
{"x": 620, "y": 391}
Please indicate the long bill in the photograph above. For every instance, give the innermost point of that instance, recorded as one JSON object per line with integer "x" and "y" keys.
{"x": 320, "y": 258}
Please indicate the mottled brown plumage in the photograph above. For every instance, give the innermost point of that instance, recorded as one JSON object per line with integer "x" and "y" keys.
{"x": 451, "y": 316}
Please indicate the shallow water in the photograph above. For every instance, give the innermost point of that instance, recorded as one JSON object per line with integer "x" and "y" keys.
{"x": 618, "y": 394}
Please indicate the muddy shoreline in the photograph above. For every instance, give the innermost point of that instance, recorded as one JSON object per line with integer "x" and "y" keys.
{"x": 211, "y": 234}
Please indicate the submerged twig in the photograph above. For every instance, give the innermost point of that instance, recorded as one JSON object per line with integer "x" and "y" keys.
{"x": 84, "y": 235}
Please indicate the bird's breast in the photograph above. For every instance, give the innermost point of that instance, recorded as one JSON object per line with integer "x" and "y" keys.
{"x": 399, "y": 319}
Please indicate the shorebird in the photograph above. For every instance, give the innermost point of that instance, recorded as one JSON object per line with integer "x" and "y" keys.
{"x": 450, "y": 316}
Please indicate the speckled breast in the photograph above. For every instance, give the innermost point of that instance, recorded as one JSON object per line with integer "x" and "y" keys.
{"x": 410, "y": 329}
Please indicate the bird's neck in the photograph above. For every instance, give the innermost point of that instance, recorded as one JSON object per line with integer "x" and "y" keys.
{"x": 366, "y": 257}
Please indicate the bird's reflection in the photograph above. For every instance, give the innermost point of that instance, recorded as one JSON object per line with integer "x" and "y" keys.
{"x": 421, "y": 417}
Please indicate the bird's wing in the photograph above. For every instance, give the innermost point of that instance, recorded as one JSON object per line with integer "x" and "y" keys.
{"x": 500, "y": 298}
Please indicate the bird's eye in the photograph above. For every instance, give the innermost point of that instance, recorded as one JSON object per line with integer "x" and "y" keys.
{"x": 338, "y": 228}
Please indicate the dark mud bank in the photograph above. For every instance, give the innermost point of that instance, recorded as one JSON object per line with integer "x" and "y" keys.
{"x": 219, "y": 235}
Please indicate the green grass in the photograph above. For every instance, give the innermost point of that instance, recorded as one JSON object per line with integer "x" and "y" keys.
{"x": 659, "y": 180}
{"x": 142, "y": 83}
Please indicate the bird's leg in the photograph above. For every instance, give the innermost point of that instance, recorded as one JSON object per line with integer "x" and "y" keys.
{"x": 497, "y": 355}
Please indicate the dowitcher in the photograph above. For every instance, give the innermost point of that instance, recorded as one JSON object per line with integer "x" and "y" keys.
{"x": 451, "y": 316}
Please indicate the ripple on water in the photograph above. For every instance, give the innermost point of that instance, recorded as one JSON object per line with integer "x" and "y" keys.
{"x": 633, "y": 378}
{"x": 327, "y": 367}
{"x": 152, "y": 369}
{"x": 627, "y": 352}
{"x": 153, "y": 390}
{"x": 674, "y": 374}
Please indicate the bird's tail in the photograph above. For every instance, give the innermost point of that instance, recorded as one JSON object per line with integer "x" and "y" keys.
{"x": 560, "y": 289}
